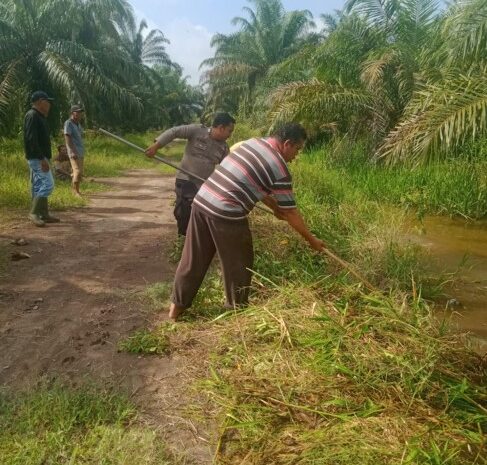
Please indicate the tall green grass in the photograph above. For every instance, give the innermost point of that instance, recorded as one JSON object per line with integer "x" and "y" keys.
{"x": 457, "y": 186}
{"x": 104, "y": 158}
{"x": 340, "y": 378}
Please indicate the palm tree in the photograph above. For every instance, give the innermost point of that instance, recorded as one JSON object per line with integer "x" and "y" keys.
{"x": 144, "y": 50}
{"x": 333, "y": 95}
{"x": 451, "y": 106}
{"x": 64, "y": 48}
{"x": 267, "y": 36}
{"x": 373, "y": 58}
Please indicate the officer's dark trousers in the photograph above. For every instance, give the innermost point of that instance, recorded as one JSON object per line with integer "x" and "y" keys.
{"x": 185, "y": 192}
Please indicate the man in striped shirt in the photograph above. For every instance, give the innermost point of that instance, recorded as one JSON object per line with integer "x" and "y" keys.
{"x": 256, "y": 170}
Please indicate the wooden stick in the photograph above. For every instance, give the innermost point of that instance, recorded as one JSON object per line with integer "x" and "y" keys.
{"x": 349, "y": 268}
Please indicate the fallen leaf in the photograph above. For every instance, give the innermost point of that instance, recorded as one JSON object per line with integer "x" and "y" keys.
{"x": 19, "y": 256}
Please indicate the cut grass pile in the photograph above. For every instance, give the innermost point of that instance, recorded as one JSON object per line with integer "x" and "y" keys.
{"x": 324, "y": 374}
{"x": 320, "y": 376}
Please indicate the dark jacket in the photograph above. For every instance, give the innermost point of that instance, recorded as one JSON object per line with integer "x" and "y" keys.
{"x": 37, "y": 141}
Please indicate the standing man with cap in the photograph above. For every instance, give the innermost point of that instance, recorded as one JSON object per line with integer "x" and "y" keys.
{"x": 37, "y": 147}
{"x": 73, "y": 135}
{"x": 205, "y": 149}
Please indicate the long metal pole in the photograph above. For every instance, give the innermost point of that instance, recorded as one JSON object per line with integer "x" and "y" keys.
{"x": 327, "y": 252}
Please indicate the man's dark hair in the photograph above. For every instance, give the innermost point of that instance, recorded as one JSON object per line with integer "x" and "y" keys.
{"x": 223, "y": 119}
{"x": 290, "y": 131}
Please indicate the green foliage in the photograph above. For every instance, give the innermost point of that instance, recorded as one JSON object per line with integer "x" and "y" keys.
{"x": 94, "y": 54}
{"x": 405, "y": 75}
{"x": 456, "y": 186}
{"x": 324, "y": 378}
{"x": 155, "y": 342}
{"x": 60, "y": 425}
{"x": 268, "y": 35}
{"x": 158, "y": 294}
{"x": 243, "y": 130}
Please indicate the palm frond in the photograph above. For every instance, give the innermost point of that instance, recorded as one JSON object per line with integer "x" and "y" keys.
{"x": 316, "y": 102}
{"x": 379, "y": 12}
{"x": 465, "y": 30}
{"x": 9, "y": 80}
{"x": 442, "y": 116}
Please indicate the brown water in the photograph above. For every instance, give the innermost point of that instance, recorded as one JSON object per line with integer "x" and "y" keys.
{"x": 459, "y": 245}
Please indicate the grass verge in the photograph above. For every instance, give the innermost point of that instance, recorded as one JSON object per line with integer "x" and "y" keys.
{"x": 456, "y": 186}
{"x": 105, "y": 158}
{"x": 337, "y": 377}
{"x": 56, "y": 425}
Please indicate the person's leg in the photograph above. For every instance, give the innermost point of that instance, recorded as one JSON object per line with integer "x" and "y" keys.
{"x": 75, "y": 165}
{"x": 233, "y": 241}
{"x": 81, "y": 168}
{"x": 45, "y": 190}
{"x": 198, "y": 252}
{"x": 185, "y": 193}
{"x": 36, "y": 185}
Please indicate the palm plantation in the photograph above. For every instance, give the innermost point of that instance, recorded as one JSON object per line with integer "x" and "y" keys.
{"x": 242, "y": 60}
{"x": 426, "y": 85}
{"x": 317, "y": 370}
{"x": 93, "y": 53}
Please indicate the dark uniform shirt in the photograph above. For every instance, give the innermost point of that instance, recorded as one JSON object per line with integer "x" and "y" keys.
{"x": 37, "y": 141}
{"x": 202, "y": 153}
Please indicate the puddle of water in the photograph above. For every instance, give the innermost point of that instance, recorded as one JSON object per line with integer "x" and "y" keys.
{"x": 451, "y": 243}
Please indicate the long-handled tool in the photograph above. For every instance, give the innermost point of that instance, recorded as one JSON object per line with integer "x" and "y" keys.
{"x": 162, "y": 160}
{"x": 157, "y": 157}
{"x": 327, "y": 252}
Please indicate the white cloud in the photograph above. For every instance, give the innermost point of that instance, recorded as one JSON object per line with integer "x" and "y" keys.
{"x": 190, "y": 42}
{"x": 190, "y": 45}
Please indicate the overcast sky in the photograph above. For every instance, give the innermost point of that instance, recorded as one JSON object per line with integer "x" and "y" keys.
{"x": 190, "y": 24}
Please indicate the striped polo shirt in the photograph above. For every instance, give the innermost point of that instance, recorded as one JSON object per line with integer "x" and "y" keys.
{"x": 249, "y": 173}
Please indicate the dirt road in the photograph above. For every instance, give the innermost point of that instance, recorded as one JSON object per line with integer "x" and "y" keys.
{"x": 63, "y": 311}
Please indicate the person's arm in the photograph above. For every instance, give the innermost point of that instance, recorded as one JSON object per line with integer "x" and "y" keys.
{"x": 296, "y": 221}
{"x": 180, "y": 132}
{"x": 69, "y": 142}
{"x": 272, "y": 204}
{"x": 70, "y": 145}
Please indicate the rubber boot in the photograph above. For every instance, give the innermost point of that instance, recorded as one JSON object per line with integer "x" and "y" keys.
{"x": 44, "y": 212}
{"x": 35, "y": 212}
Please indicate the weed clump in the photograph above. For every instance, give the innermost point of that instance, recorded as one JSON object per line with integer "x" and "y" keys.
{"x": 149, "y": 342}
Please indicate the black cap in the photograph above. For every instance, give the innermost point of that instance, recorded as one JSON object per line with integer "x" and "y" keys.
{"x": 40, "y": 95}
{"x": 75, "y": 108}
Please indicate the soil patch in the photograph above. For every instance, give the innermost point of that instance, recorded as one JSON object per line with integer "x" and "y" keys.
{"x": 64, "y": 309}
